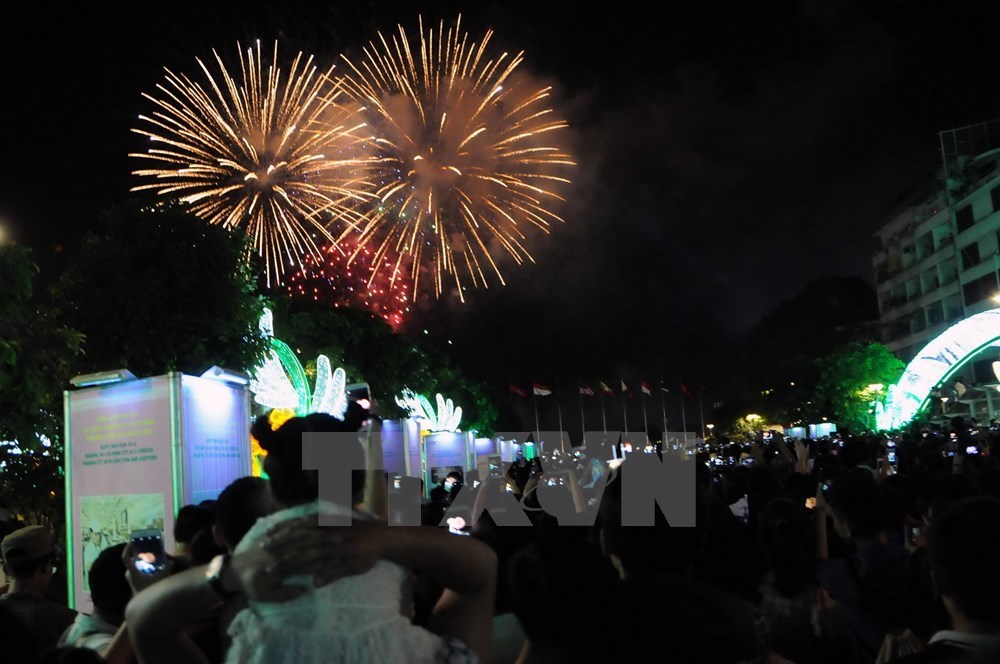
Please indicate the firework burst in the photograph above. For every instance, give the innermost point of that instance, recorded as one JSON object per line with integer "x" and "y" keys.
{"x": 463, "y": 155}
{"x": 266, "y": 150}
{"x": 342, "y": 282}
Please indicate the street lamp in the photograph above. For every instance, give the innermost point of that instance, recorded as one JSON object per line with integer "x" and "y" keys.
{"x": 710, "y": 427}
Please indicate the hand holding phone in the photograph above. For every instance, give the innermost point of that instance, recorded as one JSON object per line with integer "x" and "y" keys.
{"x": 147, "y": 550}
{"x": 145, "y": 560}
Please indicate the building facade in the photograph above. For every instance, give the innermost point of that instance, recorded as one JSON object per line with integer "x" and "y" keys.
{"x": 937, "y": 259}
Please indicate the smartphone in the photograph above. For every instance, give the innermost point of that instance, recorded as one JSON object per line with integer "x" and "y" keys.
{"x": 892, "y": 457}
{"x": 397, "y": 482}
{"x": 826, "y": 488}
{"x": 495, "y": 469}
{"x": 972, "y": 449}
{"x": 147, "y": 550}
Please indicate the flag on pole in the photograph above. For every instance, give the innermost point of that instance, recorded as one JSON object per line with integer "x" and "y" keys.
{"x": 646, "y": 389}
{"x": 514, "y": 389}
{"x": 684, "y": 390}
{"x": 540, "y": 390}
{"x": 586, "y": 390}
{"x": 606, "y": 390}
{"x": 625, "y": 389}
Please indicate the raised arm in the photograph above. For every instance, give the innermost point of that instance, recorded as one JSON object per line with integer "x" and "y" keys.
{"x": 157, "y": 617}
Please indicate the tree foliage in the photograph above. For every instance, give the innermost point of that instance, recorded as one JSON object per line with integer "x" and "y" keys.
{"x": 155, "y": 289}
{"x": 36, "y": 357}
{"x": 776, "y": 371}
{"x": 370, "y": 351}
{"x": 847, "y": 374}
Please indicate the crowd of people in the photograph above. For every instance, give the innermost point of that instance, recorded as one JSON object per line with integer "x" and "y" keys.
{"x": 847, "y": 549}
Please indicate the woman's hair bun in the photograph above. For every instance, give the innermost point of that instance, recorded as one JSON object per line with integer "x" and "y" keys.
{"x": 261, "y": 430}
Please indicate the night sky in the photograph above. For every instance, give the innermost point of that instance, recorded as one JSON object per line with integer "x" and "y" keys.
{"x": 729, "y": 152}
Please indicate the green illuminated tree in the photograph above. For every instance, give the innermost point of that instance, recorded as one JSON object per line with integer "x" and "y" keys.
{"x": 853, "y": 378}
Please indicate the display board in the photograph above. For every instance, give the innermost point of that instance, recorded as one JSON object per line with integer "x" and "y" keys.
{"x": 139, "y": 450}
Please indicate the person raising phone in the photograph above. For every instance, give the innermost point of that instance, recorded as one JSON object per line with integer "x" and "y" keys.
{"x": 326, "y": 594}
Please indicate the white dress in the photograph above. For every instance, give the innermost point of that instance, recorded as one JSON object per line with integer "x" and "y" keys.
{"x": 354, "y": 619}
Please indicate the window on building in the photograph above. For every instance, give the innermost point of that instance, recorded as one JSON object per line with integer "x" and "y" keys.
{"x": 935, "y": 313}
{"x": 925, "y": 246}
{"x": 953, "y": 308}
{"x": 929, "y": 280}
{"x": 948, "y": 271}
{"x": 970, "y": 256}
{"x": 979, "y": 289}
{"x": 964, "y": 219}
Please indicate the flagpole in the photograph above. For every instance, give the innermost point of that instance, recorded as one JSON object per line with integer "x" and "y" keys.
{"x": 583, "y": 425}
{"x": 562, "y": 447}
{"x": 663, "y": 407}
{"x": 604, "y": 416}
{"x": 624, "y": 407}
{"x": 645, "y": 423}
{"x": 701, "y": 410}
{"x": 684, "y": 421}
{"x": 534, "y": 401}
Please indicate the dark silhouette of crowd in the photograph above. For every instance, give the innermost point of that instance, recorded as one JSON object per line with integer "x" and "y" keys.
{"x": 847, "y": 549}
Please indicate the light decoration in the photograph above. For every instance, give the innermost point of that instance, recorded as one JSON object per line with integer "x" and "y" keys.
{"x": 280, "y": 381}
{"x": 446, "y": 417}
{"x": 938, "y": 361}
{"x": 335, "y": 279}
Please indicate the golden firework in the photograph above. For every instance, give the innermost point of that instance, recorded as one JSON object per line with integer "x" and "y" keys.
{"x": 462, "y": 150}
{"x": 265, "y": 150}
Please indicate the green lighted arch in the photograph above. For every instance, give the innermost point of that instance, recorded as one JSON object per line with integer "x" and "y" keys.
{"x": 938, "y": 361}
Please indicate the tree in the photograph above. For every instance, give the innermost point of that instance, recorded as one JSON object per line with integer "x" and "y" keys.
{"x": 155, "y": 289}
{"x": 36, "y": 357}
{"x": 775, "y": 373}
{"x": 370, "y": 351}
{"x": 853, "y": 378}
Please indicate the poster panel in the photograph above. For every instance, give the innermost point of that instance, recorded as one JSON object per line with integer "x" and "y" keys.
{"x": 393, "y": 447}
{"x": 215, "y": 427}
{"x": 119, "y": 471}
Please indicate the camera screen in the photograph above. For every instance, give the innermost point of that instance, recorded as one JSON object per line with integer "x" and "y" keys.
{"x": 147, "y": 547}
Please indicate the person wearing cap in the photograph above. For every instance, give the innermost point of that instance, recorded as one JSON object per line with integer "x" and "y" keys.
{"x": 29, "y": 556}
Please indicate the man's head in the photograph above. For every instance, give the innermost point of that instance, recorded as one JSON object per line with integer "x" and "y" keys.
{"x": 109, "y": 588}
{"x": 190, "y": 520}
{"x": 239, "y": 506}
{"x": 28, "y": 556}
{"x": 963, "y": 546}
{"x": 858, "y": 504}
{"x": 452, "y": 479}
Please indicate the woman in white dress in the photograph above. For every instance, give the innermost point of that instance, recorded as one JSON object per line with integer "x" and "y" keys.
{"x": 329, "y": 594}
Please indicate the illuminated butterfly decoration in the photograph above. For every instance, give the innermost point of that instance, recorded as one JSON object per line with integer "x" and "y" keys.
{"x": 446, "y": 417}
{"x": 280, "y": 381}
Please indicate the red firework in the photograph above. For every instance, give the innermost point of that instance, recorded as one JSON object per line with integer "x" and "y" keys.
{"x": 361, "y": 283}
